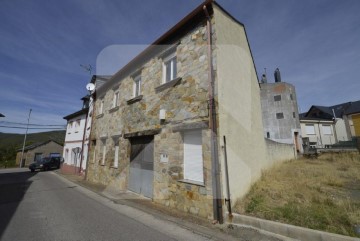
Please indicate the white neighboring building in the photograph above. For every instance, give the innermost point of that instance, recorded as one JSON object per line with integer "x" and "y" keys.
{"x": 78, "y": 132}
{"x": 73, "y": 145}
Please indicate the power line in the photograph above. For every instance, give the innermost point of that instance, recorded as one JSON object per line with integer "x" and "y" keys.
{"x": 43, "y": 128}
{"x": 18, "y": 123}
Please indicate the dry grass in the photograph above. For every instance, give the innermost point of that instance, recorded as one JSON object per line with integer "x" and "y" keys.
{"x": 322, "y": 194}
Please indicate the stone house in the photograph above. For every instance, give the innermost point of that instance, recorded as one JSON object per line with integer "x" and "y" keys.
{"x": 37, "y": 151}
{"x": 181, "y": 123}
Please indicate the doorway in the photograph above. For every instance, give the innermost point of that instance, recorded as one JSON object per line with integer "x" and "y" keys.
{"x": 141, "y": 174}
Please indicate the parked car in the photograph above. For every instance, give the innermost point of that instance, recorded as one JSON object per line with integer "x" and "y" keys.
{"x": 45, "y": 163}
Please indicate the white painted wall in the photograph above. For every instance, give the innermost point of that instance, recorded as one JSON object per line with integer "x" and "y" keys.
{"x": 319, "y": 137}
{"x": 239, "y": 108}
{"x": 73, "y": 140}
{"x": 341, "y": 132}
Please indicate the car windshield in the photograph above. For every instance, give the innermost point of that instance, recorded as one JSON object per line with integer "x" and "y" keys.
{"x": 43, "y": 160}
{"x": 40, "y": 161}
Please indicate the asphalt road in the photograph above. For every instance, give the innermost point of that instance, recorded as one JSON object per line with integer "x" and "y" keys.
{"x": 43, "y": 206}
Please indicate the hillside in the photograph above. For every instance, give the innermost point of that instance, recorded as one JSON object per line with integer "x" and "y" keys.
{"x": 9, "y": 139}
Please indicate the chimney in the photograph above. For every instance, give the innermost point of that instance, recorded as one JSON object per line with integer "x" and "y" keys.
{"x": 263, "y": 79}
{"x": 277, "y": 75}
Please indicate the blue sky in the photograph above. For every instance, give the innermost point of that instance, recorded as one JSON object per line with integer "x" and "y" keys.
{"x": 316, "y": 45}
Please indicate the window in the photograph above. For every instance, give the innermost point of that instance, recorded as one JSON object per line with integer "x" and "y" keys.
{"x": 116, "y": 156}
{"x": 67, "y": 155}
{"x": 94, "y": 148}
{"x": 137, "y": 85}
{"x": 326, "y": 129}
{"x": 268, "y": 135}
{"x": 77, "y": 125}
{"x": 101, "y": 109}
{"x": 193, "y": 159}
{"x": 103, "y": 152}
{"x": 291, "y": 97}
{"x": 70, "y": 125}
{"x": 310, "y": 129}
{"x": 294, "y": 115}
{"x": 115, "y": 99}
{"x": 169, "y": 68}
{"x": 277, "y": 98}
{"x": 280, "y": 115}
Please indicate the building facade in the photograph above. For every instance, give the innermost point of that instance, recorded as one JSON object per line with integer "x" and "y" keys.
{"x": 165, "y": 125}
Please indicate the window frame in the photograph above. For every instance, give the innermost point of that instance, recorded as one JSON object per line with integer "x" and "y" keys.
{"x": 277, "y": 98}
{"x": 103, "y": 154}
{"x": 137, "y": 85}
{"x": 116, "y": 153}
{"x": 324, "y": 129}
{"x": 115, "y": 99}
{"x": 101, "y": 107}
{"x": 172, "y": 59}
{"x": 190, "y": 164}
{"x": 77, "y": 125}
{"x": 307, "y": 130}
{"x": 280, "y": 116}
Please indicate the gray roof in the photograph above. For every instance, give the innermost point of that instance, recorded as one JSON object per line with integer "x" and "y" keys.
{"x": 327, "y": 112}
{"x": 353, "y": 108}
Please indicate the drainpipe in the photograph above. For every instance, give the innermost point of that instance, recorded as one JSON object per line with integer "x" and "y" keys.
{"x": 217, "y": 203}
{"x": 227, "y": 200}
{"x": 83, "y": 140}
{"x": 92, "y": 96}
{"x": 335, "y": 134}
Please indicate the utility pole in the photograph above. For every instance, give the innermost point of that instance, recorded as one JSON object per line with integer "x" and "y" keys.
{"x": 27, "y": 127}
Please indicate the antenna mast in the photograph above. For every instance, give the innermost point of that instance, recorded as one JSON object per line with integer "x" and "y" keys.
{"x": 87, "y": 68}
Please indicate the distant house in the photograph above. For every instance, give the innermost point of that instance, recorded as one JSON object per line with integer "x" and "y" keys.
{"x": 37, "y": 151}
{"x": 318, "y": 132}
{"x": 280, "y": 112}
{"x": 1, "y": 115}
{"x": 327, "y": 125}
{"x": 78, "y": 132}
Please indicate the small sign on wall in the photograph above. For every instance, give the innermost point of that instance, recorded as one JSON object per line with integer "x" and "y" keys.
{"x": 164, "y": 158}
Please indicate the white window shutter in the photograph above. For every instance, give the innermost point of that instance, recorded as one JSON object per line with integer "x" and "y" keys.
{"x": 193, "y": 161}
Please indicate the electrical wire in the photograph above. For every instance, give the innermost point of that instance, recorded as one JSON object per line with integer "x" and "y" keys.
{"x": 43, "y": 128}
{"x": 17, "y": 123}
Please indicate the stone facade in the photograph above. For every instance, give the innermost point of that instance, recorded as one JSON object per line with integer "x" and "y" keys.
{"x": 185, "y": 103}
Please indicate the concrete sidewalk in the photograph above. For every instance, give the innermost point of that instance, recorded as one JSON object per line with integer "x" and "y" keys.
{"x": 196, "y": 224}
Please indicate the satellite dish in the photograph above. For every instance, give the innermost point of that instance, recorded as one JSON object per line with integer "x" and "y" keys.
{"x": 90, "y": 87}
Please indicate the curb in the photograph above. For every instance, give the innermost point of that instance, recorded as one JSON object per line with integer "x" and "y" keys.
{"x": 287, "y": 230}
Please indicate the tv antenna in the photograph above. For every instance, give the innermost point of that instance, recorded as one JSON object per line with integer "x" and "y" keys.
{"x": 87, "y": 68}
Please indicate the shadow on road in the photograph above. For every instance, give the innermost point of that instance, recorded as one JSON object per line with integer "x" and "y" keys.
{"x": 13, "y": 186}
